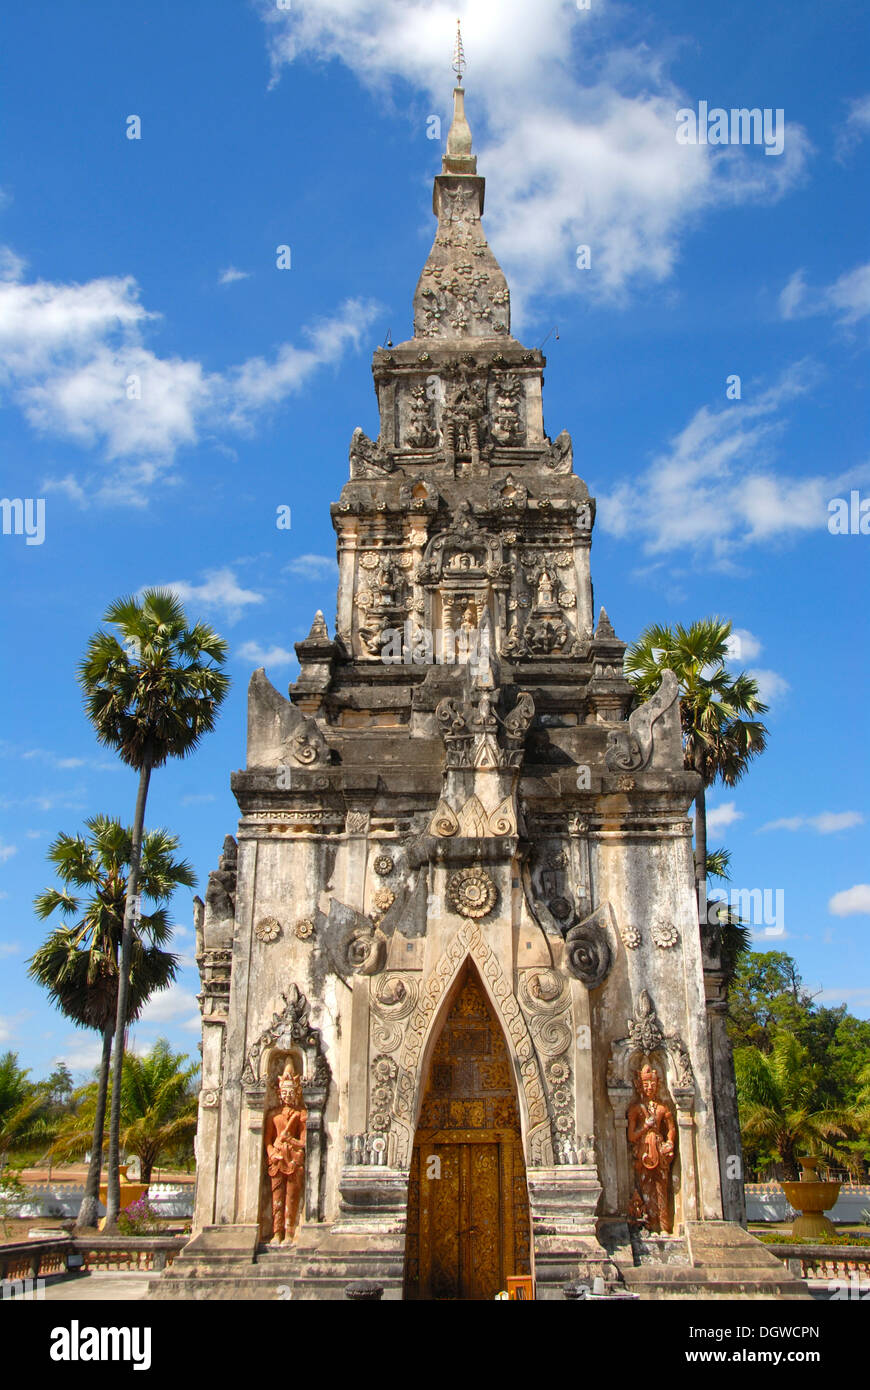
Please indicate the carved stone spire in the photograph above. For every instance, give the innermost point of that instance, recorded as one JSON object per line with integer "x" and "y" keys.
{"x": 462, "y": 292}
{"x": 459, "y": 159}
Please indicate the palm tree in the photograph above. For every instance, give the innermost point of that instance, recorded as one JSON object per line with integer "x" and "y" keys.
{"x": 733, "y": 936}
{"x": 150, "y": 699}
{"x": 158, "y": 1107}
{"x": 23, "y": 1107}
{"x": 719, "y": 742}
{"x": 777, "y": 1093}
{"x": 78, "y": 963}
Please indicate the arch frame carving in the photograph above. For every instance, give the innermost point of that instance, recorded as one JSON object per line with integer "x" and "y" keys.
{"x": 469, "y": 943}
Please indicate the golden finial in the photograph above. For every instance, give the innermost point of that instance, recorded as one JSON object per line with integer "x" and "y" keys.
{"x": 458, "y": 55}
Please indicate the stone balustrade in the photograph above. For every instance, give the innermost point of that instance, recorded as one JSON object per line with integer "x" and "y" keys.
{"x": 844, "y": 1264}
{"x": 35, "y": 1259}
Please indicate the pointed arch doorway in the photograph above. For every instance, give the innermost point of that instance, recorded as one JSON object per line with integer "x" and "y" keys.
{"x": 468, "y": 1208}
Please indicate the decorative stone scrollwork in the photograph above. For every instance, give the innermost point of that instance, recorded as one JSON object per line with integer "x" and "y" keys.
{"x": 646, "y": 1036}
{"x": 305, "y": 742}
{"x": 560, "y": 455}
{"x": 367, "y": 458}
{"x": 552, "y": 1034}
{"x": 364, "y": 952}
{"x": 543, "y": 991}
{"x": 394, "y": 996}
{"x": 644, "y": 1030}
{"x": 471, "y": 892}
{"x": 630, "y": 747}
{"x": 267, "y": 929}
{"x": 587, "y": 954}
{"x": 290, "y": 1025}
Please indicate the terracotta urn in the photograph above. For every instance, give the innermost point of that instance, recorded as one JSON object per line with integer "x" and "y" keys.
{"x": 812, "y": 1198}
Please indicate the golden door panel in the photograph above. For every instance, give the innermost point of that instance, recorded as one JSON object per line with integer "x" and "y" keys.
{"x": 468, "y": 1214}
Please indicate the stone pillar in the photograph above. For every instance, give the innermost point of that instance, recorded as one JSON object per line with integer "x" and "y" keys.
{"x": 684, "y": 1100}
{"x": 729, "y": 1143}
{"x": 619, "y": 1095}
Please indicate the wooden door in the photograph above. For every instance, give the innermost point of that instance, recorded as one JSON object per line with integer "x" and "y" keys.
{"x": 468, "y": 1218}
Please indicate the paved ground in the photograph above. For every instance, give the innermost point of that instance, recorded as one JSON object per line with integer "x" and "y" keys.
{"x": 91, "y": 1288}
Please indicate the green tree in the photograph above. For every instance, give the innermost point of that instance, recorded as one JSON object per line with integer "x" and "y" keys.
{"x": 151, "y": 697}
{"x": 719, "y": 740}
{"x": 23, "y": 1107}
{"x": 79, "y": 961}
{"x": 12, "y": 1194}
{"x": 781, "y": 1108}
{"x": 767, "y": 995}
{"x": 60, "y": 1086}
{"x": 158, "y": 1107}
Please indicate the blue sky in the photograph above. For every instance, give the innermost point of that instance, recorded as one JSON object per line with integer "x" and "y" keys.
{"x": 307, "y": 127}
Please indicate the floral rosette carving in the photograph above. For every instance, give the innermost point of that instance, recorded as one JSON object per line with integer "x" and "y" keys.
{"x": 304, "y": 928}
{"x": 384, "y": 1069}
{"x": 267, "y": 929}
{"x": 383, "y": 899}
{"x": 383, "y": 865}
{"x": 630, "y": 937}
{"x": 383, "y": 1074}
{"x": 471, "y": 892}
{"x": 665, "y": 934}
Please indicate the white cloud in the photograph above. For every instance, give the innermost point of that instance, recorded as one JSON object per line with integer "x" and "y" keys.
{"x": 7, "y": 1029}
{"x": 65, "y": 764}
{"x": 7, "y": 851}
{"x": 71, "y": 800}
{"x": 771, "y": 685}
{"x": 716, "y": 489}
{"x": 230, "y": 275}
{"x": 255, "y": 654}
{"x": 847, "y": 297}
{"x": 855, "y": 127}
{"x": 743, "y": 645}
{"x": 591, "y": 160}
{"x": 75, "y": 359}
{"x": 850, "y": 901}
{"x": 81, "y": 1052}
{"x": 722, "y": 816}
{"x": 172, "y": 1005}
{"x": 12, "y": 266}
{"x": 220, "y": 590}
{"x": 312, "y": 566}
{"x": 826, "y": 822}
{"x": 9, "y": 948}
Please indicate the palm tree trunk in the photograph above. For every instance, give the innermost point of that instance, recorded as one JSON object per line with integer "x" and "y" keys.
{"x": 88, "y": 1210}
{"x": 113, "y": 1195}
